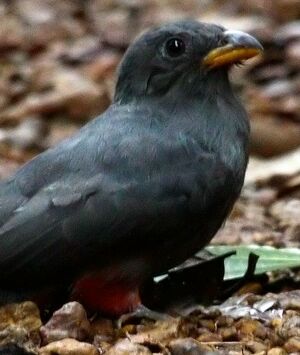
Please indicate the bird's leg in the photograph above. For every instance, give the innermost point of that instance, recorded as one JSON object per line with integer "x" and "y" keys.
{"x": 142, "y": 312}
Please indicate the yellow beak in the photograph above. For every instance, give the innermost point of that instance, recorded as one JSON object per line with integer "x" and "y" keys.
{"x": 238, "y": 46}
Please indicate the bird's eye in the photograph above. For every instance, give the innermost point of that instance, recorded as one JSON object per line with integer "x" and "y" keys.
{"x": 175, "y": 47}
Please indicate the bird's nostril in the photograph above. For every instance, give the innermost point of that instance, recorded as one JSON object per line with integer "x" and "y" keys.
{"x": 223, "y": 41}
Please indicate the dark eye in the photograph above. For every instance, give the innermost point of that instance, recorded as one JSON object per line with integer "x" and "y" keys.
{"x": 175, "y": 47}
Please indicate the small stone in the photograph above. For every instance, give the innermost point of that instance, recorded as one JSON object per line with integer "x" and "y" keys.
{"x": 276, "y": 351}
{"x": 293, "y": 345}
{"x": 227, "y": 333}
{"x": 70, "y": 321}
{"x": 103, "y": 328}
{"x": 103, "y": 332}
{"x": 287, "y": 212}
{"x": 290, "y": 327}
{"x": 71, "y": 92}
{"x": 208, "y": 337}
{"x": 23, "y": 315}
{"x": 101, "y": 345}
{"x": 187, "y": 346}
{"x": 277, "y": 88}
{"x": 293, "y": 54}
{"x": 256, "y": 346}
{"x": 288, "y": 32}
{"x": 248, "y": 328}
{"x": 102, "y": 67}
{"x": 20, "y": 323}
{"x": 126, "y": 347}
{"x": 276, "y": 323}
{"x": 14, "y": 349}
{"x": 68, "y": 347}
{"x": 27, "y": 134}
{"x": 224, "y": 321}
{"x": 208, "y": 324}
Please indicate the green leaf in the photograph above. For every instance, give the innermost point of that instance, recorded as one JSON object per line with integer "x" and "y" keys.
{"x": 270, "y": 259}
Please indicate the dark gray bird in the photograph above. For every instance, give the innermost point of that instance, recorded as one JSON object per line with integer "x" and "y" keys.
{"x": 140, "y": 188}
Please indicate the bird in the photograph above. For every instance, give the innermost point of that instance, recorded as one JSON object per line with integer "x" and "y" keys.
{"x": 140, "y": 188}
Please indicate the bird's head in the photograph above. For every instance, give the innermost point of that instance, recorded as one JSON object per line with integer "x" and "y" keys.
{"x": 181, "y": 56}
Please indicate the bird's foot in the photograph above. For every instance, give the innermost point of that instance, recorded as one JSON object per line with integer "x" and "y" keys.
{"x": 142, "y": 312}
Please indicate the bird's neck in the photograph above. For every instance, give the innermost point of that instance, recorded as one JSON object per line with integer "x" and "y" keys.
{"x": 210, "y": 112}
{"x": 221, "y": 125}
{"x": 204, "y": 110}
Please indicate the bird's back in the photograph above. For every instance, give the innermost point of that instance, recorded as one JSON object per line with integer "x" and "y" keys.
{"x": 120, "y": 179}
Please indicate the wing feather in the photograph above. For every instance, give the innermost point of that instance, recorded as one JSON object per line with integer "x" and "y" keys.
{"x": 69, "y": 225}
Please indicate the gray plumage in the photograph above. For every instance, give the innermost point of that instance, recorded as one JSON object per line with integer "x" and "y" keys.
{"x": 145, "y": 185}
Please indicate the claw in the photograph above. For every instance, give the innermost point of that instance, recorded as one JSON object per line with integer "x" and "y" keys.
{"x": 142, "y": 312}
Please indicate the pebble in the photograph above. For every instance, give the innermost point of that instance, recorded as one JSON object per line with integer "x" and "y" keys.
{"x": 70, "y": 321}
{"x": 68, "y": 347}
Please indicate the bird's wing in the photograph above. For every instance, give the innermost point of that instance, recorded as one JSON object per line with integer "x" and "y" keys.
{"x": 68, "y": 223}
{"x": 38, "y": 233}
{"x": 10, "y": 199}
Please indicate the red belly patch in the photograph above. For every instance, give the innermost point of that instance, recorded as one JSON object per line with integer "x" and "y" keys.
{"x": 110, "y": 297}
